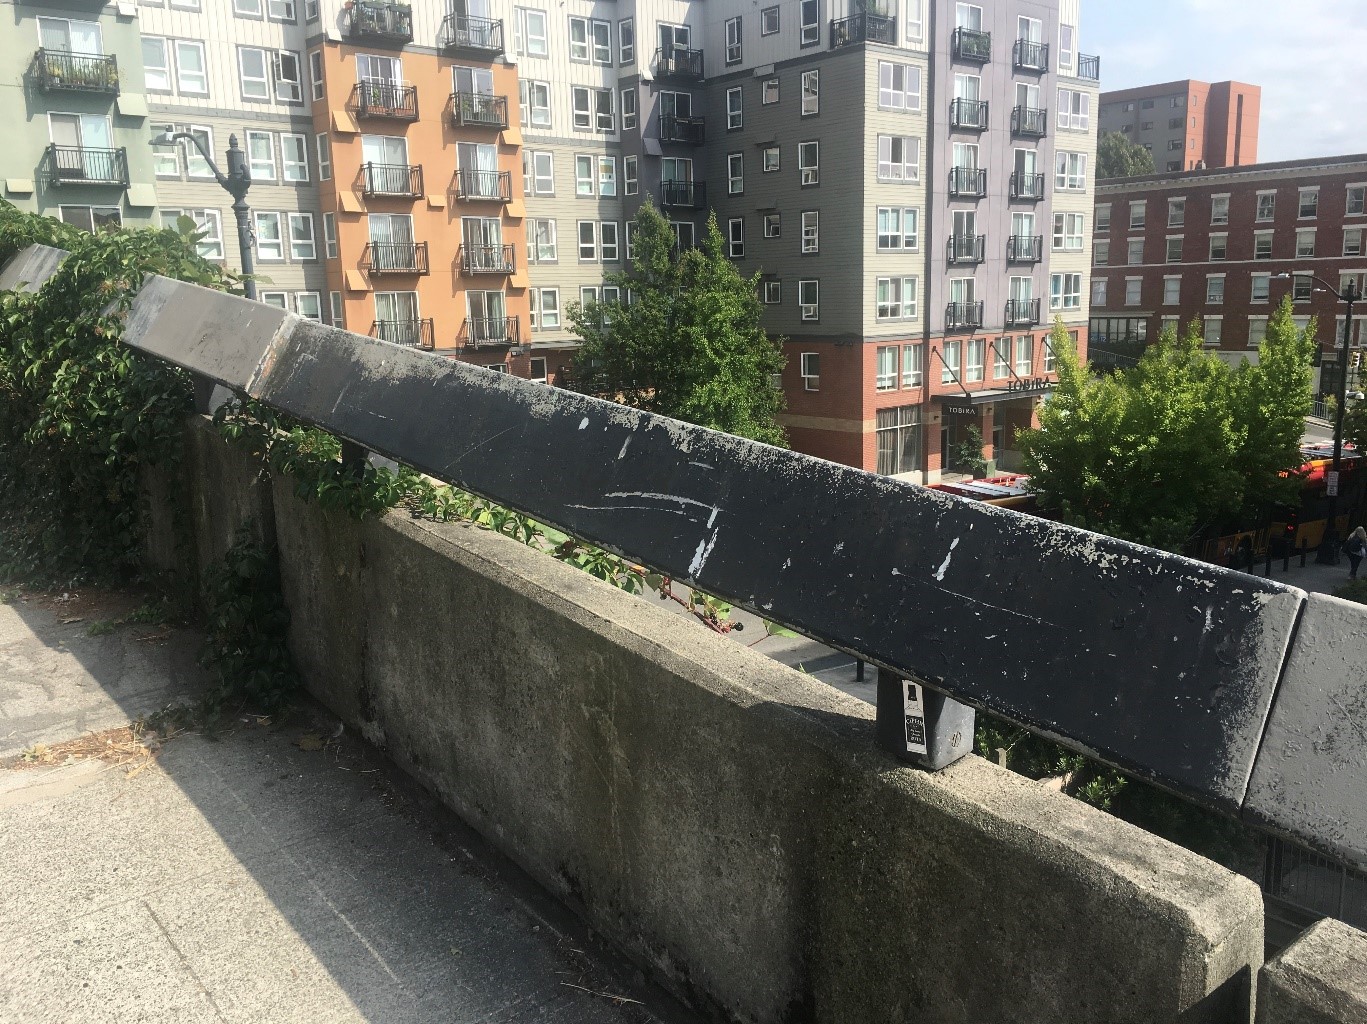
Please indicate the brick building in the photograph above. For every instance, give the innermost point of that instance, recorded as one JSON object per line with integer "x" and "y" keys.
{"x": 1187, "y": 125}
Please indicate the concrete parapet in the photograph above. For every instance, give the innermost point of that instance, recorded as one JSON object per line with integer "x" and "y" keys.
{"x": 1319, "y": 979}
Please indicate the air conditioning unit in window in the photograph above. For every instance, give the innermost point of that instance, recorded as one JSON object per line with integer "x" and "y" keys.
{"x": 809, "y": 312}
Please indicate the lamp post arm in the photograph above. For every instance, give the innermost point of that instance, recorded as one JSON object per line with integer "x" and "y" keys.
{"x": 219, "y": 176}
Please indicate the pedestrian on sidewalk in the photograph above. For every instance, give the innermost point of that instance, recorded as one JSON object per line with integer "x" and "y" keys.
{"x": 1355, "y": 548}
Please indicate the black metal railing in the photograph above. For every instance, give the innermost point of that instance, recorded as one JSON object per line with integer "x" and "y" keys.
{"x": 59, "y": 71}
{"x": 79, "y": 165}
{"x": 970, "y": 44}
{"x": 412, "y": 333}
{"x": 1029, "y": 121}
{"x": 486, "y": 259}
{"x": 402, "y": 180}
{"x": 374, "y": 21}
{"x": 1089, "y": 67}
{"x": 687, "y": 130}
{"x": 479, "y": 331}
{"x": 1027, "y": 55}
{"x": 960, "y": 315}
{"x": 1026, "y": 186}
{"x": 479, "y": 109}
{"x": 863, "y": 28}
{"x": 678, "y": 63}
{"x": 1025, "y": 248}
{"x": 689, "y": 194}
{"x": 1022, "y": 312}
{"x": 385, "y": 99}
{"x": 967, "y": 181}
{"x": 462, "y": 32}
{"x": 394, "y": 258}
{"x": 964, "y": 113}
{"x": 494, "y": 186}
{"x": 967, "y": 248}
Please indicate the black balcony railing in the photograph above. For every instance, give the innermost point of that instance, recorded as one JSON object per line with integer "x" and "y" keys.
{"x": 481, "y": 331}
{"x": 77, "y": 165}
{"x": 967, "y": 248}
{"x": 1089, "y": 67}
{"x": 679, "y": 63}
{"x": 480, "y": 109}
{"x": 373, "y": 21}
{"x": 385, "y": 99}
{"x": 412, "y": 333}
{"x": 1022, "y": 312}
{"x": 1030, "y": 56}
{"x": 394, "y": 258}
{"x": 477, "y": 35}
{"x": 687, "y": 130}
{"x": 1027, "y": 186}
{"x": 863, "y": 28}
{"x": 59, "y": 71}
{"x": 960, "y": 315}
{"x": 1029, "y": 121}
{"x": 970, "y": 44}
{"x": 967, "y": 181}
{"x": 493, "y": 186}
{"x": 967, "y": 113}
{"x": 1025, "y": 248}
{"x": 401, "y": 180}
{"x": 486, "y": 259}
{"x": 688, "y": 194}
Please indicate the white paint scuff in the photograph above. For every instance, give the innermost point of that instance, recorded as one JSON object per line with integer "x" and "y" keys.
{"x": 944, "y": 566}
{"x": 584, "y": 423}
{"x": 705, "y": 547}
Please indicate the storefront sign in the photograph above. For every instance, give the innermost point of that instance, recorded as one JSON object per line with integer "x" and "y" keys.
{"x": 960, "y": 410}
{"x": 1030, "y": 384}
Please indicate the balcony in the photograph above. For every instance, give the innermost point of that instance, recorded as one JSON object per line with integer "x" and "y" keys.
{"x": 863, "y": 28}
{"x": 1027, "y": 186}
{"x": 1025, "y": 248}
{"x": 972, "y": 45}
{"x": 461, "y": 33}
{"x": 967, "y": 181}
{"x": 687, "y": 131}
{"x": 484, "y": 186}
{"x": 385, "y": 99}
{"x": 394, "y": 258}
{"x": 489, "y": 332}
{"x": 409, "y": 333}
{"x": 77, "y": 165}
{"x": 1022, "y": 313}
{"x": 678, "y": 64}
{"x": 689, "y": 195}
{"x": 402, "y": 181}
{"x": 370, "y": 21}
{"x": 966, "y": 249}
{"x": 479, "y": 110}
{"x": 1089, "y": 67}
{"x": 963, "y": 315}
{"x": 486, "y": 259}
{"x": 968, "y": 114}
{"x": 1030, "y": 56}
{"x": 59, "y": 71}
{"x": 1032, "y": 121}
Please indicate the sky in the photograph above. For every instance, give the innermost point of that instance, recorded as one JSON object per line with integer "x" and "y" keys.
{"x": 1309, "y": 57}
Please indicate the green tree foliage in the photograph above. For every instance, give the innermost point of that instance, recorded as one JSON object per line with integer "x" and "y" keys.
{"x": 1162, "y": 451}
{"x": 688, "y": 344}
{"x": 1118, "y": 157}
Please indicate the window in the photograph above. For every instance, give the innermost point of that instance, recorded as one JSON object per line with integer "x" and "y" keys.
{"x": 1103, "y": 218}
{"x": 191, "y": 78}
{"x": 316, "y": 83}
{"x": 808, "y": 163}
{"x": 1174, "y": 249}
{"x": 1025, "y": 352}
{"x": 1309, "y": 203}
{"x": 330, "y": 235}
{"x": 808, "y": 296}
{"x": 281, "y": 10}
{"x": 951, "y": 356}
{"x": 336, "y": 310}
{"x": 1068, "y": 229}
{"x": 541, "y": 247}
{"x": 548, "y": 312}
{"x": 538, "y": 369}
{"x": 626, "y": 41}
{"x": 1215, "y": 288}
{"x": 92, "y": 218}
{"x": 588, "y": 240}
{"x": 1074, "y": 110}
{"x": 593, "y": 109}
{"x": 1177, "y": 213}
{"x": 771, "y": 292}
{"x": 270, "y": 245}
{"x": 294, "y": 157}
{"x": 1101, "y": 253}
{"x": 885, "y": 363}
{"x": 977, "y": 357}
{"x": 1267, "y": 206}
{"x": 579, "y": 40}
{"x": 811, "y": 22}
{"x": 1352, "y": 241}
{"x": 1137, "y": 215}
{"x": 1262, "y": 245}
{"x": 1213, "y": 331}
{"x": 600, "y": 33}
{"x": 769, "y": 93}
{"x": 1067, "y": 44}
{"x": 899, "y": 86}
{"x": 1098, "y": 291}
{"x": 1219, "y": 209}
{"x": 607, "y": 241}
{"x": 302, "y": 244}
{"x": 309, "y": 306}
{"x": 253, "y": 76}
{"x": 1135, "y": 254}
{"x": 809, "y": 231}
{"x": 324, "y": 156}
{"x": 607, "y": 175}
{"x": 208, "y": 224}
{"x": 811, "y": 93}
{"x": 810, "y": 364}
{"x": 732, "y": 40}
{"x": 896, "y": 299}
{"x": 1133, "y": 286}
{"x": 899, "y": 158}
{"x": 898, "y": 433}
{"x": 261, "y": 155}
{"x": 1070, "y": 175}
{"x": 1001, "y": 358}
{"x": 538, "y": 173}
{"x": 772, "y": 225}
{"x": 628, "y": 108}
{"x": 915, "y": 19}
{"x": 735, "y": 237}
{"x": 735, "y": 173}
{"x": 1357, "y": 200}
{"x": 529, "y": 32}
{"x": 251, "y": 8}
{"x": 768, "y": 21}
{"x": 583, "y": 175}
{"x": 912, "y": 372}
{"x": 684, "y": 234}
{"x": 534, "y": 101}
{"x": 897, "y": 228}
{"x": 1172, "y": 291}
{"x": 733, "y": 108}
{"x": 1219, "y": 246}
{"x": 630, "y": 176}
{"x": 289, "y": 85}
{"x": 156, "y": 68}
{"x": 1305, "y": 242}
{"x": 771, "y": 159}
{"x": 1302, "y": 287}
{"x": 1065, "y": 292}
{"x": 1260, "y": 287}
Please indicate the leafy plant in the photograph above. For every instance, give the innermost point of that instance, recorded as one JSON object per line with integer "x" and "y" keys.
{"x": 968, "y": 453}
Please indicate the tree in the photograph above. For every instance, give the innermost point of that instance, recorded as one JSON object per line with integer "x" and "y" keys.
{"x": 1164, "y": 450}
{"x": 687, "y": 341}
{"x": 1118, "y": 157}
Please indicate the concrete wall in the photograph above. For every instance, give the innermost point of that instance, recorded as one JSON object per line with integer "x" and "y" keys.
{"x": 1320, "y": 979}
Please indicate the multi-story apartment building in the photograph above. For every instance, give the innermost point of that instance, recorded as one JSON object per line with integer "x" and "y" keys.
{"x": 1187, "y": 125}
{"x": 1211, "y": 245}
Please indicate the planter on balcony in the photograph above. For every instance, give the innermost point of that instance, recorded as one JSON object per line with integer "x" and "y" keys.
{"x": 375, "y": 21}
{"x": 60, "y": 71}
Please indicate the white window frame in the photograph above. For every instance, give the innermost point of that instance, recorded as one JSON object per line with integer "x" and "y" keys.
{"x": 324, "y": 155}
{"x": 279, "y": 243}
{"x": 591, "y": 246}
{"x": 809, "y": 368}
{"x": 253, "y": 165}
{"x": 810, "y": 92}
{"x": 890, "y": 97}
{"x": 809, "y": 14}
{"x": 735, "y": 174}
{"x": 263, "y": 80}
{"x": 294, "y": 171}
{"x": 809, "y": 299}
{"x": 306, "y": 247}
{"x": 733, "y": 40}
{"x": 809, "y": 163}
{"x": 735, "y": 237}
{"x": 811, "y": 232}
{"x": 734, "y": 112}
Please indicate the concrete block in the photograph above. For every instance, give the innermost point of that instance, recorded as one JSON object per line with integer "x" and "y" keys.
{"x": 29, "y": 269}
{"x": 1310, "y": 779}
{"x": 1321, "y": 978}
{"x": 226, "y": 491}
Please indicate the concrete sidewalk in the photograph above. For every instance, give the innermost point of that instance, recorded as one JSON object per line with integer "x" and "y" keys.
{"x": 259, "y": 876}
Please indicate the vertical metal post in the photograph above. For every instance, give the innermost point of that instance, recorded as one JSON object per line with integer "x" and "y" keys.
{"x": 859, "y": 670}
{"x": 238, "y": 181}
{"x": 921, "y": 725}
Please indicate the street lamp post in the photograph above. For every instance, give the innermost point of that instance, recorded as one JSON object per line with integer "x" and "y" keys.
{"x": 1328, "y": 553}
{"x": 236, "y": 183}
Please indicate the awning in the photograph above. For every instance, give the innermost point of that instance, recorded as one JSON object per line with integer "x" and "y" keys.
{"x": 1026, "y": 389}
